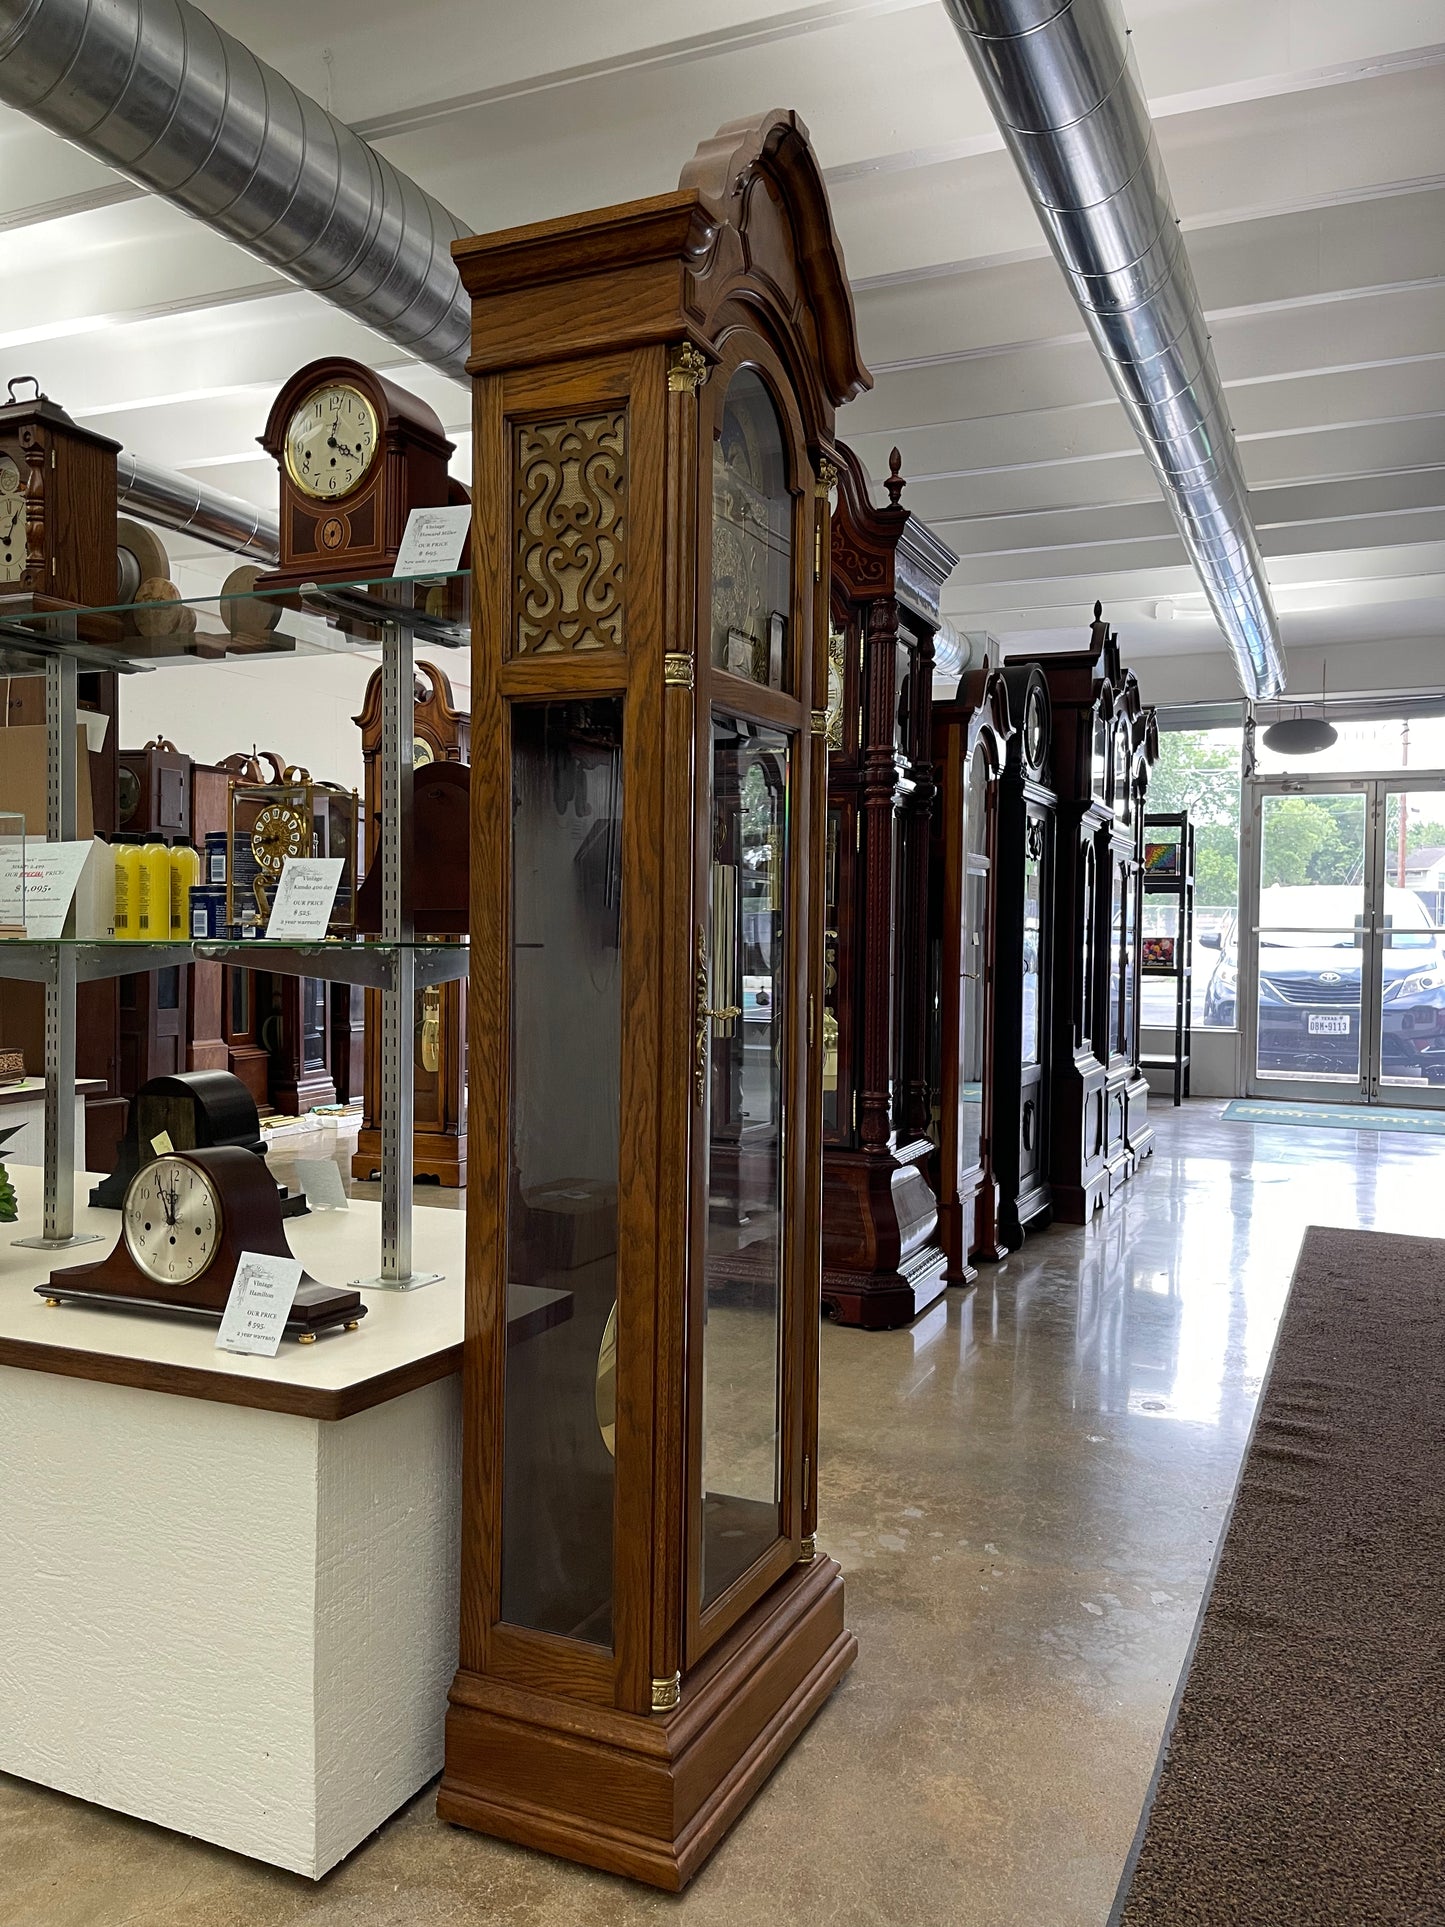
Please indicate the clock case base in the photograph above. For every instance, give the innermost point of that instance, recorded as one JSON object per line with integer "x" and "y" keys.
{"x": 318, "y": 1308}
{"x": 649, "y": 1796}
{"x": 882, "y": 1262}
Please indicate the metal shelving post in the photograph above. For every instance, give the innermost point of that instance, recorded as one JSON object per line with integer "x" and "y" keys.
{"x": 398, "y": 998}
{"x": 61, "y": 721}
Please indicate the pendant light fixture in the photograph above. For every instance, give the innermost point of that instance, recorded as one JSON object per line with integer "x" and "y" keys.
{"x": 1301, "y": 735}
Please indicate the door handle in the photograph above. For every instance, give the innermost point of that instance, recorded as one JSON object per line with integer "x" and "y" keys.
{"x": 704, "y": 1015}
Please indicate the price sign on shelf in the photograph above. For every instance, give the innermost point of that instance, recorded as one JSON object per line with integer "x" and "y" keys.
{"x": 262, "y": 1294}
{"x": 433, "y": 541}
{"x": 301, "y": 908}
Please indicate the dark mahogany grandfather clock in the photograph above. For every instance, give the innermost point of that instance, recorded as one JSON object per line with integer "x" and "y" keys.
{"x": 646, "y": 1623}
{"x": 970, "y": 737}
{"x": 882, "y": 1261}
{"x": 356, "y": 455}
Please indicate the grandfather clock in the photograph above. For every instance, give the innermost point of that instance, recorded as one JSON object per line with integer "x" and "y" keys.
{"x": 646, "y": 1625}
{"x": 970, "y": 735}
{"x": 882, "y": 1261}
{"x": 441, "y": 733}
{"x": 1024, "y": 938}
{"x": 1081, "y": 699}
{"x": 1136, "y": 752}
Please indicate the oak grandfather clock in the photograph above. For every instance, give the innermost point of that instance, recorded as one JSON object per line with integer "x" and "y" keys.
{"x": 646, "y": 1625}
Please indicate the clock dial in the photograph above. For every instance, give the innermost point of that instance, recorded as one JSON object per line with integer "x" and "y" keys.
{"x": 421, "y": 752}
{"x": 12, "y": 521}
{"x": 279, "y": 833}
{"x": 331, "y": 442}
{"x": 171, "y": 1221}
{"x": 1034, "y": 729}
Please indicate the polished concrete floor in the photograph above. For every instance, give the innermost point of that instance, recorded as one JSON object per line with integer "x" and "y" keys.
{"x": 1024, "y": 1490}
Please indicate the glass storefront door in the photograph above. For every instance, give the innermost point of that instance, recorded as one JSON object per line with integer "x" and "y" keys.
{"x": 1340, "y": 953}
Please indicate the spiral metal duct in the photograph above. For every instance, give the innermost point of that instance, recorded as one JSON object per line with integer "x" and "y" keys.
{"x": 170, "y": 498}
{"x": 159, "y": 93}
{"x": 1062, "y": 82}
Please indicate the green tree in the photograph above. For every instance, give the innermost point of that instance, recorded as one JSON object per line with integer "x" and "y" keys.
{"x": 1307, "y": 840}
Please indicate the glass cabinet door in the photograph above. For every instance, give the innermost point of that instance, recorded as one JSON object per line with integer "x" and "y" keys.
{"x": 742, "y": 1460}
{"x": 1035, "y": 975}
{"x": 972, "y": 1038}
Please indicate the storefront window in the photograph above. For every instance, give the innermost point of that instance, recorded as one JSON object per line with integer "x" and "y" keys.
{"x": 1199, "y": 770}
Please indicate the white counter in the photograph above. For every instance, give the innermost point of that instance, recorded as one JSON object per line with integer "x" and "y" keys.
{"x": 229, "y": 1584}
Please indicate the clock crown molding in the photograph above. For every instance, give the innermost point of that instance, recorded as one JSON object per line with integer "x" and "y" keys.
{"x": 749, "y": 224}
{"x": 38, "y": 410}
{"x": 885, "y": 551}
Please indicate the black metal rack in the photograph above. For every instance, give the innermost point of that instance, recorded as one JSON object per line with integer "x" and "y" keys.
{"x": 1178, "y": 885}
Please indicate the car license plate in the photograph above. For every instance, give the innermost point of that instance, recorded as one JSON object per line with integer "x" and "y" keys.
{"x": 1329, "y": 1025}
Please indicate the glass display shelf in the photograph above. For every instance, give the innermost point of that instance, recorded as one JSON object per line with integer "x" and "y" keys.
{"x": 315, "y": 619}
{"x": 372, "y": 961}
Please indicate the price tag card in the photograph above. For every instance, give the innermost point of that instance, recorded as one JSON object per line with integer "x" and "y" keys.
{"x": 52, "y": 871}
{"x": 433, "y": 541}
{"x": 262, "y": 1294}
{"x": 301, "y": 907}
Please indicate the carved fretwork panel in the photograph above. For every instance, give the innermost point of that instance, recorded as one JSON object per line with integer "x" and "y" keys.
{"x": 569, "y": 533}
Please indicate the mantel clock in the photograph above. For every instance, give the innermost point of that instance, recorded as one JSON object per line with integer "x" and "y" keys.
{"x": 882, "y": 1260}
{"x": 57, "y": 502}
{"x": 646, "y": 1624}
{"x": 356, "y": 455}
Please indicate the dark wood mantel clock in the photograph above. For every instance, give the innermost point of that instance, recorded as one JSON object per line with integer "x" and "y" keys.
{"x": 882, "y": 1261}
{"x": 646, "y": 1623}
{"x": 187, "y": 1218}
{"x": 356, "y": 455}
{"x": 57, "y": 503}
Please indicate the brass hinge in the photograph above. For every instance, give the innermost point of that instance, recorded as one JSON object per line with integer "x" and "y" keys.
{"x": 666, "y": 1693}
{"x": 677, "y": 671}
{"x": 687, "y": 368}
{"x": 818, "y": 722}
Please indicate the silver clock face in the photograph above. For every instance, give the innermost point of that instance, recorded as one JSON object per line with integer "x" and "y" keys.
{"x": 171, "y": 1221}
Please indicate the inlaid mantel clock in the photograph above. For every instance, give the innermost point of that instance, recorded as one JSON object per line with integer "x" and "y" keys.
{"x": 646, "y": 1624}
{"x": 882, "y": 1260}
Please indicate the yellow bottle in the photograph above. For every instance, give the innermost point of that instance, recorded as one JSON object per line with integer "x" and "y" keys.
{"x": 185, "y": 875}
{"x": 154, "y": 894}
{"x": 126, "y": 849}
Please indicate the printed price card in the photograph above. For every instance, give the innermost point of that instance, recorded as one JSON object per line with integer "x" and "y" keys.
{"x": 262, "y": 1294}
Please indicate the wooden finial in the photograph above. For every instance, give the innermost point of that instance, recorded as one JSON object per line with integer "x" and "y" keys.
{"x": 1098, "y": 610}
{"x": 895, "y": 484}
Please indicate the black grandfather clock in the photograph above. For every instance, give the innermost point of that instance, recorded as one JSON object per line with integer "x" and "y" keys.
{"x": 882, "y": 1259}
{"x": 1024, "y": 936}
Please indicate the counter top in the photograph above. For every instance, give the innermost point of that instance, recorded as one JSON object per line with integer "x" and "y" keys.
{"x": 408, "y": 1338}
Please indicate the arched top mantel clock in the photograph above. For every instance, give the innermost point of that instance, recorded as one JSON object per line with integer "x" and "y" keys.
{"x": 646, "y": 1622}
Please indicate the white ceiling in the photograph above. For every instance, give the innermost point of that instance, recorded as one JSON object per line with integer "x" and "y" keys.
{"x": 1305, "y": 144}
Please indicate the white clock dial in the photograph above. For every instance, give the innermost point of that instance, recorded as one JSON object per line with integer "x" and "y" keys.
{"x": 331, "y": 442}
{"x": 171, "y": 1221}
{"x": 12, "y": 521}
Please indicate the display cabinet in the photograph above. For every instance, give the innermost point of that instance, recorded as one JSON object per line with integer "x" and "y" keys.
{"x": 57, "y": 647}
{"x": 1167, "y": 940}
{"x": 646, "y": 1624}
{"x": 1024, "y": 937}
{"x": 882, "y": 1261}
{"x": 440, "y": 735}
{"x": 970, "y": 737}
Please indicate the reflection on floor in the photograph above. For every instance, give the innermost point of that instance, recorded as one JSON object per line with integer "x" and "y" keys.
{"x": 1024, "y": 1490}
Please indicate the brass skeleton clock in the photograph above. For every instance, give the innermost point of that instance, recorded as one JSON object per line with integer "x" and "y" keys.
{"x": 646, "y": 1620}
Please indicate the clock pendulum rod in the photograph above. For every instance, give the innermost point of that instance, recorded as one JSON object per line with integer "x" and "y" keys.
{"x": 58, "y": 1232}
{"x": 398, "y": 998}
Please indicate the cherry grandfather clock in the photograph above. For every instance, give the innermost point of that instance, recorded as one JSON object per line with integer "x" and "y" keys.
{"x": 646, "y": 1623}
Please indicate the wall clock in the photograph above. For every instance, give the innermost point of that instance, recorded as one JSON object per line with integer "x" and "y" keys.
{"x": 356, "y": 454}
{"x": 186, "y": 1220}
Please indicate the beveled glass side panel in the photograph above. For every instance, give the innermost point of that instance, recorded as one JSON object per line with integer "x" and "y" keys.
{"x": 1118, "y": 890}
{"x": 832, "y": 913}
{"x": 975, "y": 910}
{"x": 1130, "y": 884}
{"x": 1033, "y": 938}
{"x": 752, "y": 537}
{"x": 743, "y": 1293}
{"x": 566, "y": 1066}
